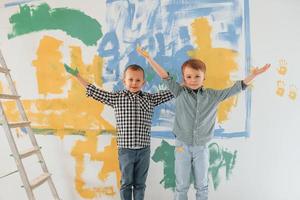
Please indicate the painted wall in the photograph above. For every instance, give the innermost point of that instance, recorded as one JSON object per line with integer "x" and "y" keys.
{"x": 254, "y": 154}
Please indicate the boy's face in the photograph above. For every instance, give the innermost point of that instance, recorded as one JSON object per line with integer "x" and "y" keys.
{"x": 133, "y": 80}
{"x": 193, "y": 78}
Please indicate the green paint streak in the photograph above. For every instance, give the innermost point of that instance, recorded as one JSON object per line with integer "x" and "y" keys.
{"x": 70, "y": 70}
{"x": 165, "y": 154}
{"x": 73, "y": 22}
{"x": 229, "y": 162}
{"x": 218, "y": 159}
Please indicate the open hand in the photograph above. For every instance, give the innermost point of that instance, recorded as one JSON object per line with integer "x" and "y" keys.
{"x": 256, "y": 71}
{"x": 142, "y": 52}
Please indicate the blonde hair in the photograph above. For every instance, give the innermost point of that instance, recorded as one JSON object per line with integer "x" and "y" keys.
{"x": 134, "y": 67}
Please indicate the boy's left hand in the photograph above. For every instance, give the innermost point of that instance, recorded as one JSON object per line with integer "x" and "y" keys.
{"x": 256, "y": 71}
{"x": 74, "y": 72}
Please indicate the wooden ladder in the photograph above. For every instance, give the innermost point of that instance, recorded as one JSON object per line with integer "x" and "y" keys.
{"x": 29, "y": 185}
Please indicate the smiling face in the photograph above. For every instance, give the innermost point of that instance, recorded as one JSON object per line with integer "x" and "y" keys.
{"x": 133, "y": 80}
{"x": 193, "y": 78}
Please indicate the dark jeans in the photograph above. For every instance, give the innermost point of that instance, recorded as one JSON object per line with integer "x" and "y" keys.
{"x": 134, "y": 165}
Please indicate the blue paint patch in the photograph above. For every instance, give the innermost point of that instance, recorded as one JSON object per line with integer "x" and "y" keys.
{"x": 162, "y": 134}
{"x": 17, "y": 3}
{"x": 217, "y": 134}
{"x": 109, "y": 48}
{"x": 222, "y": 134}
{"x": 168, "y": 41}
{"x": 23, "y": 130}
{"x": 247, "y": 62}
{"x": 231, "y": 34}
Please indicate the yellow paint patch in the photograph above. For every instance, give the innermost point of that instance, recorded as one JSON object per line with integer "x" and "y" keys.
{"x": 280, "y": 88}
{"x": 49, "y": 67}
{"x": 293, "y": 92}
{"x": 282, "y": 69}
{"x": 109, "y": 158}
{"x": 220, "y": 63}
{"x": 75, "y": 112}
{"x": 179, "y": 149}
{"x": 10, "y": 108}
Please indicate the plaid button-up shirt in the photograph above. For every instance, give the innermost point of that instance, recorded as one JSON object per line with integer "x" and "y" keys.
{"x": 133, "y": 113}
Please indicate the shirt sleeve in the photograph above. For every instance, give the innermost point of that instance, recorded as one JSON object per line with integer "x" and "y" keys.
{"x": 231, "y": 91}
{"x": 161, "y": 97}
{"x": 172, "y": 85}
{"x": 105, "y": 97}
{"x": 244, "y": 86}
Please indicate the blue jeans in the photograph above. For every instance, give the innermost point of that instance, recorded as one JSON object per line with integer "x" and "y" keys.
{"x": 134, "y": 165}
{"x": 191, "y": 159}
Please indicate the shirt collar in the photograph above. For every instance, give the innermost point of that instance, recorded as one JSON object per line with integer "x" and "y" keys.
{"x": 201, "y": 89}
{"x": 127, "y": 92}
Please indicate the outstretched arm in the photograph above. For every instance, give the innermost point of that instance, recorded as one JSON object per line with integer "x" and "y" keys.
{"x": 82, "y": 81}
{"x": 157, "y": 68}
{"x": 76, "y": 74}
{"x": 255, "y": 72}
{"x": 91, "y": 90}
{"x": 223, "y": 94}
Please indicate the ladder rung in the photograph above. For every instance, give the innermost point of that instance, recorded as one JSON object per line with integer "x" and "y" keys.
{"x": 4, "y": 70}
{"x": 18, "y": 124}
{"x": 39, "y": 180}
{"x": 8, "y": 174}
{"x": 28, "y": 152}
{"x": 9, "y": 96}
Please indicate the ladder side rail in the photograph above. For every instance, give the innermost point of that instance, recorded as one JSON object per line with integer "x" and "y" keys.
{"x": 31, "y": 136}
{"x": 21, "y": 109}
{"x": 42, "y": 163}
{"x": 2, "y": 61}
{"x": 16, "y": 155}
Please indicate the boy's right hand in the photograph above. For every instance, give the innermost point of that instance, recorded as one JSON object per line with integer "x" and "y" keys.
{"x": 142, "y": 52}
{"x": 74, "y": 72}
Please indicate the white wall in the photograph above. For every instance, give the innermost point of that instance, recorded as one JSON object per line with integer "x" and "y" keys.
{"x": 268, "y": 161}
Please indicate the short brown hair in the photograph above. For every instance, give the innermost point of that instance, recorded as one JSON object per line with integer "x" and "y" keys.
{"x": 194, "y": 64}
{"x": 134, "y": 67}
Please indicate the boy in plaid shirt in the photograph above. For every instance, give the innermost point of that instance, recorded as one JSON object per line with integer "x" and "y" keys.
{"x": 133, "y": 109}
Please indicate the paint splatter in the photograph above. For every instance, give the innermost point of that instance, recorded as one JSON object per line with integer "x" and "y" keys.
{"x": 220, "y": 63}
{"x": 281, "y": 84}
{"x": 293, "y": 92}
{"x": 165, "y": 153}
{"x": 110, "y": 166}
{"x": 219, "y": 158}
{"x": 282, "y": 69}
{"x": 73, "y": 22}
{"x": 280, "y": 88}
